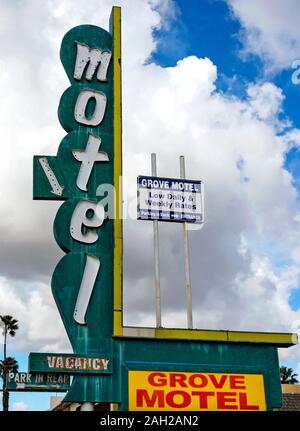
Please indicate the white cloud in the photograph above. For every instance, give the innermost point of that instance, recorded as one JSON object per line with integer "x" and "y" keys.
{"x": 296, "y": 255}
{"x": 39, "y": 321}
{"x": 244, "y": 260}
{"x": 271, "y": 30}
{"x": 266, "y": 100}
{"x": 19, "y": 406}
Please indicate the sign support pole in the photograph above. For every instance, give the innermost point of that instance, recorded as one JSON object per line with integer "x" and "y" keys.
{"x": 188, "y": 285}
{"x": 156, "y": 254}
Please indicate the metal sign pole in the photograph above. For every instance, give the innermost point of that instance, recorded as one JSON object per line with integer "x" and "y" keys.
{"x": 187, "y": 260}
{"x": 156, "y": 254}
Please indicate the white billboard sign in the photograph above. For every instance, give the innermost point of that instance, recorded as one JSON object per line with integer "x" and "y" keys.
{"x": 170, "y": 199}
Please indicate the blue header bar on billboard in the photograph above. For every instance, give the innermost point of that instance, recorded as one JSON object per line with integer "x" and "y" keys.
{"x": 162, "y": 183}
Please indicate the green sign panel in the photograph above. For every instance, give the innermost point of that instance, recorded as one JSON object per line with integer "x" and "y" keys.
{"x": 69, "y": 363}
{"x": 83, "y": 174}
{"x": 38, "y": 382}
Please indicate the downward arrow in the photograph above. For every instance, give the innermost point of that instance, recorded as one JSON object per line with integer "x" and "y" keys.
{"x": 57, "y": 189}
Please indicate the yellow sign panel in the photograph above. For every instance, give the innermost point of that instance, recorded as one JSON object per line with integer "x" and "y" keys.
{"x": 164, "y": 390}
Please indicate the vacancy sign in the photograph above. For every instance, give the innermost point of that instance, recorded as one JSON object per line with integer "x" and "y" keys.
{"x": 169, "y": 199}
{"x": 160, "y": 390}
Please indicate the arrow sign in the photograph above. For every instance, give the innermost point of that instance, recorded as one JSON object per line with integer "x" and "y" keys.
{"x": 48, "y": 179}
{"x": 57, "y": 189}
{"x": 33, "y": 382}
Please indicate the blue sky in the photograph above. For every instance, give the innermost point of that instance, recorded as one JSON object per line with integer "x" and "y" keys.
{"x": 209, "y": 28}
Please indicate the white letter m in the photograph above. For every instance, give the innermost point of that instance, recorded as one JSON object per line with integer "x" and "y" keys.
{"x": 95, "y": 58}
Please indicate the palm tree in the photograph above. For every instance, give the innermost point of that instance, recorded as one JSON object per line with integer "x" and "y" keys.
{"x": 288, "y": 376}
{"x": 9, "y": 365}
{"x": 9, "y": 326}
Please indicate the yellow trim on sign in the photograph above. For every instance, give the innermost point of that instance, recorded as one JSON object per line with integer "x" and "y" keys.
{"x": 191, "y": 334}
{"x": 118, "y": 328}
{"x": 233, "y": 336}
{"x": 262, "y": 337}
{"x": 118, "y": 238}
{"x": 274, "y": 338}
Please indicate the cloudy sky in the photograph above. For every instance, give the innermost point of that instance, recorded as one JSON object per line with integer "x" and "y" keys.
{"x": 212, "y": 80}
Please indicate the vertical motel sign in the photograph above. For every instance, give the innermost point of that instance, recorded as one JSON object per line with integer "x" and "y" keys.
{"x": 89, "y": 156}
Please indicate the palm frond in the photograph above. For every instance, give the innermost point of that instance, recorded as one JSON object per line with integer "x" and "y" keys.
{"x": 10, "y": 365}
{"x": 9, "y": 324}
